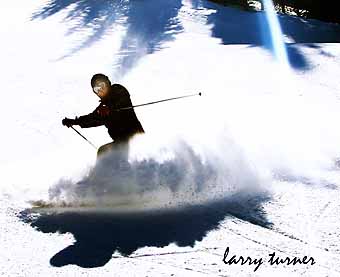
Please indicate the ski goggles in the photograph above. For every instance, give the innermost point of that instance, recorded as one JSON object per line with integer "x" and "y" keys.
{"x": 98, "y": 87}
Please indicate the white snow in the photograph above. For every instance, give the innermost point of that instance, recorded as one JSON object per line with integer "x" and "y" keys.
{"x": 270, "y": 133}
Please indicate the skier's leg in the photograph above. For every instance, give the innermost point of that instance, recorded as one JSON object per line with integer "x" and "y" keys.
{"x": 121, "y": 150}
{"x": 113, "y": 155}
{"x": 105, "y": 149}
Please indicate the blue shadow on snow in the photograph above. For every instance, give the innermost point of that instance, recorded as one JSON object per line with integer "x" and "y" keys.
{"x": 151, "y": 23}
{"x": 148, "y": 24}
{"x": 100, "y": 234}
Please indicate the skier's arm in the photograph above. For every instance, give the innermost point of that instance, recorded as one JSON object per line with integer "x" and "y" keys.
{"x": 94, "y": 119}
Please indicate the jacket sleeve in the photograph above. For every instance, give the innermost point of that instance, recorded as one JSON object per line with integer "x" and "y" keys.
{"x": 93, "y": 119}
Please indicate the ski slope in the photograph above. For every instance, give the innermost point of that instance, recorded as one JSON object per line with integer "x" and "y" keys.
{"x": 251, "y": 165}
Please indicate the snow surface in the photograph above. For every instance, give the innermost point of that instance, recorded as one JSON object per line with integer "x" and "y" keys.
{"x": 253, "y": 163}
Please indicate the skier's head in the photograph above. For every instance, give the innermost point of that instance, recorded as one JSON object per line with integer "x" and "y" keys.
{"x": 100, "y": 84}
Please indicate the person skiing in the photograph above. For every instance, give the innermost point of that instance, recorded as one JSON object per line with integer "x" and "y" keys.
{"x": 122, "y": 124}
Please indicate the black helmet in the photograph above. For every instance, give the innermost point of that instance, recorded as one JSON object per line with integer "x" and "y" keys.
{"x": 99, "y": 77}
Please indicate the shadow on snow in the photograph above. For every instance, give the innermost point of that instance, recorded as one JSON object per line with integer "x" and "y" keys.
{"x": 148, "y": 24}
{"x": 235, "y": 26}
{"x": 151, "y": 23}
{"x": 99, "y": 235}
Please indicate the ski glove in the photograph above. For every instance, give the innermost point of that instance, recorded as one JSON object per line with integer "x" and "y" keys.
{"x": 68, "y": 122}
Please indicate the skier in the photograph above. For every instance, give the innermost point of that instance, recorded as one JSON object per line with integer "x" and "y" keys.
{"x": 122, "y": 125}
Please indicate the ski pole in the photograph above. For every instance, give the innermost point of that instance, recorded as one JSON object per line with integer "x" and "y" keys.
{"x": 145, "y": 104}
{"x": 84, "y": 137}
{"x": 159, "y": 101}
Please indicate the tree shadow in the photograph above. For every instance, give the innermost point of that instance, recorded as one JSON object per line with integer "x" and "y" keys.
{"x": 236, "y": 26}
{"x": 99, "y": 234}
{"x": 98, "y": 16}
{"x": 151, "y": 23}
{"x": 296, "y": 58}
{"x": 148, "y": 24}
{"x": 309, "y": 31}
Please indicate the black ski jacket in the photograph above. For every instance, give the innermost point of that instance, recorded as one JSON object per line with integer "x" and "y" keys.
{"x": 121, "y": 124}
